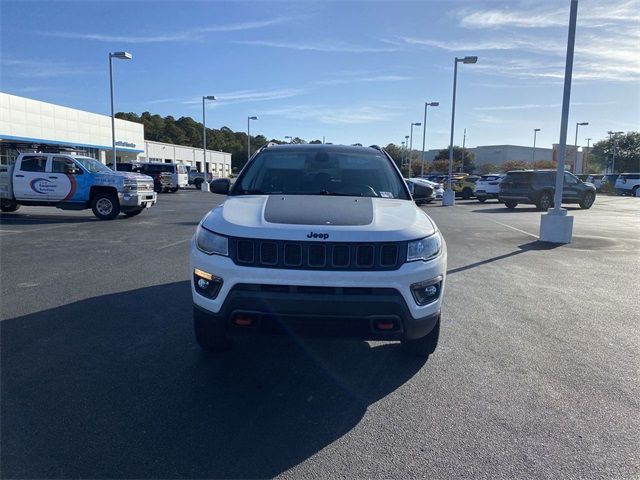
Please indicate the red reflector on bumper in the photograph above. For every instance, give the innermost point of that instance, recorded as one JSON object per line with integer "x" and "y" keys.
{"x": 243, "y": 321}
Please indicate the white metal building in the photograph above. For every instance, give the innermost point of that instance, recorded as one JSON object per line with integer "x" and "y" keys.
{"x": 219, "y": 162}
{"x": 25, "y": 123}
{"x": 497, "y": 154}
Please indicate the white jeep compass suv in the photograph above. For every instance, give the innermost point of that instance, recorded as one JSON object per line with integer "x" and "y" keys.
{"x": 319, "y": 239}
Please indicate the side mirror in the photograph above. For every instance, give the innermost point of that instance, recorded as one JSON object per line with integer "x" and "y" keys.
{"x": 421, "y": 192}
{"x": 220, "y": 186}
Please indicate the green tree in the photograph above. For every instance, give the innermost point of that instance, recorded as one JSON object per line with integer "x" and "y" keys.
{"x": 395, "y": 152}
{"x": 488, "y": 168}
{"x": 514, "y": 165}
{"x": 627, "y": 154}
{"x": 467, "y": 163}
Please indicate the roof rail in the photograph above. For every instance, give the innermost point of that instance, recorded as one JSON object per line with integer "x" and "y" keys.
{"x": 376, "y": 147}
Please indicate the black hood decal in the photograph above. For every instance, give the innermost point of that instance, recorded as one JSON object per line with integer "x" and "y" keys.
{"x": 318, "y": 210}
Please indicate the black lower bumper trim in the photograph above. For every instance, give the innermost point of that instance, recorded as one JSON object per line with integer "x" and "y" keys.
{"x": 370, "y": 314}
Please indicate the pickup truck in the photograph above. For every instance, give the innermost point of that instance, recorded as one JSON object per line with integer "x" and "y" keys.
{"x": 196, "y": 178}
{"x": 73, "y": 182}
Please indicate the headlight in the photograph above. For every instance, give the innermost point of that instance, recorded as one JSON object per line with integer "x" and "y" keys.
{"x": 425, "y": 248}
{"x": 211, "y": 243}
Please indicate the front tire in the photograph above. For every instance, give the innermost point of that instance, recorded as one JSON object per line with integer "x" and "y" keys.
{"x": 210, "y": 332}
{"x": 105, "y": 206}
{"x": 510, "y": 204}
{"x": 198, "y": 183}
{"x": 8, "y": 207}
{"x": 587, "y": 200}
{"x": 425, "y": 346}
{"x": 174, "y": 189}
{"x": 467, "y": 193}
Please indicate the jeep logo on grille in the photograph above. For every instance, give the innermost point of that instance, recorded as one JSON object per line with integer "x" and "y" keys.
{"x": 323, "y": 236}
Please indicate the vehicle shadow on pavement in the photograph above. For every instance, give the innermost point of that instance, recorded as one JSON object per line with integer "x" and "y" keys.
{"x": 115, "y": 387}
{"x": 527, "y": 247}
{"x": 518, "y": 209}
{"x": 20, "y": 219}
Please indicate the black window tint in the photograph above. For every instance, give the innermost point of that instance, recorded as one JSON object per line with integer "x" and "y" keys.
{"x": 64, "y": 165}
{"x": 34, "y": 163}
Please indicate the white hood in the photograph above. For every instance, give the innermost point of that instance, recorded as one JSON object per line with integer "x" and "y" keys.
{"x": 297, "y": 217}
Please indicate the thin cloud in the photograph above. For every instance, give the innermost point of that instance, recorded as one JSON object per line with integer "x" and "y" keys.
{"x": 373, "y": 79}
{"x": 590, "y": 14}
{"x": 528, "y": 106}
{"x": 330, "y": 115}
{"x": 244, "y": 96}
{"x": 43, "y": 69}
{"x": 195, "y": 34}
{"x": 317, "y": 47}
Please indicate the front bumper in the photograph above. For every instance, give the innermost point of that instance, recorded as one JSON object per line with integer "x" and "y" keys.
{"x": 136, "y": 200}
{"x": 340, "y": 302}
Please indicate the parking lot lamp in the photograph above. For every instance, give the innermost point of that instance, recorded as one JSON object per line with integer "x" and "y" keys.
{"x": 417, "y": 124}
{"x": 119, "y": 56}
{"x": 533, "y": 155}
{"x": 586, "y": 157}
{"x": 449, "y": 197}
{"x": 406, "y": 151}
{"x": 204, "y": 132}
{"x": 249, "y": 136}
{"x": 555, "y": 225}
{"x": 424, "y": 133}
{"x": 575, "y": 163}
{"x": 613, "y": 158}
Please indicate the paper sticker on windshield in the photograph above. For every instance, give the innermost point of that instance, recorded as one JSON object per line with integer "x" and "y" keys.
{"x": 386, "y": 194}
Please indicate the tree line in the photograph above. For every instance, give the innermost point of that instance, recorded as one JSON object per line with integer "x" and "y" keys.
{"x": 187, "y": 131}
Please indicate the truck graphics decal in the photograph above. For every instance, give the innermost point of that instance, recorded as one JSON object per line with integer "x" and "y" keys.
{"x": 74, "y": 185}
{"x": 42, "y": 186}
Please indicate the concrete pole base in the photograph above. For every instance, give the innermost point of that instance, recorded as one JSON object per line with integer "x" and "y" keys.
{"x": 556, "y": 226}
{"x": 205, "y": 187}
{"x": 448, "y": 198}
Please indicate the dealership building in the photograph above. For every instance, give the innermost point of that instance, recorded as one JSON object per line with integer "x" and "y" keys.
{"x": 27, "y": 124}
{"x": 497, "y": 154}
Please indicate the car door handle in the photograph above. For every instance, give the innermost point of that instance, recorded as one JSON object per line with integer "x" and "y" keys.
{"x": 53, "y": 177}
{"x": 21, "y": 176}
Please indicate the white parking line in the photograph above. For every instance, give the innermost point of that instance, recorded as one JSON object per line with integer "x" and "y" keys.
{"x": 10, "y": 231}
{"x": 516, "y": 229}
{"x": 174, "y": 243}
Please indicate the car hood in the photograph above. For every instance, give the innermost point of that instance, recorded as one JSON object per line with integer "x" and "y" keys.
{"x": 319, "y": 217}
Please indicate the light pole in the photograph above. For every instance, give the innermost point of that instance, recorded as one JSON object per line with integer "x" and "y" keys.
{"x": 417, "y": 124}
{"x": 464, "y": 142}
{"x": 249, "y": 136}
{"x": 449, "y": 197}
{"x": 406, "y": 151}
{"x": 402, "y": 150}
{"x": 119, "y": 56}
{"x": 204, "y": 132}
{"x": 613, "y": 158}
{"x": 586, "y": 158}
{"x": 533, "y": 155}
{"x": 555, "y": 225}
{"x": 289, "y": 137}
{"x": 424, "y": 133}
{"x": 575, "y": 164}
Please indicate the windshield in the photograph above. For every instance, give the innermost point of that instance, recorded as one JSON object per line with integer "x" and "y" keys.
{"x": 321, "y": 172}
{"x": 91, "y": 165}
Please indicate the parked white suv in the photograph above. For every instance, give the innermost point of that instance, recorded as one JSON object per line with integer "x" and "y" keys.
{"x": 318, "y": 239}
{"x": 628, "y": 183}
{"x": 488, "y": 186}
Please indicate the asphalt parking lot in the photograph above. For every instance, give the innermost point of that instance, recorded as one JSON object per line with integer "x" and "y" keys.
{"x": 536, "y": 375}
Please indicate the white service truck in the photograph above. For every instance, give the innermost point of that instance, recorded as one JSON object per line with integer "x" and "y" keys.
{"x": 73, "y": 182}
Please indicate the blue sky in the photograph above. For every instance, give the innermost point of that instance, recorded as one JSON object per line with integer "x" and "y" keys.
{"x": 350, "y": 71}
